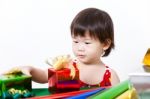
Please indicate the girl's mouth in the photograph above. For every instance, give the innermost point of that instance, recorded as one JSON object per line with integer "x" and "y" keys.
{"x": 81, "y": 56}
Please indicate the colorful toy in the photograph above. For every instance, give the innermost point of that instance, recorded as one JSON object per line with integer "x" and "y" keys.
{"x": 86, "y": 94}
{"x": 129, "y": 94}
{"x": 146, "y": 60}
{"x": 67, "y": 94}
{"x": 14, "y": 85}
{"x": 113, "y": 92}
{"x": 63, "y": 77}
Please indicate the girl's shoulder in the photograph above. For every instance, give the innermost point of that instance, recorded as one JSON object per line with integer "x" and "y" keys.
{"x": 114, "y": 76}
{"x": 110, "y": 69}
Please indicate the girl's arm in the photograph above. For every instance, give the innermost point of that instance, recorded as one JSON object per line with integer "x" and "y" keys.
{"x": 38, "y": 75}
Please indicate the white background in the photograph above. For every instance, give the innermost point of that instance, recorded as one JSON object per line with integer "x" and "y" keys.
{"x": 33, "y": 30}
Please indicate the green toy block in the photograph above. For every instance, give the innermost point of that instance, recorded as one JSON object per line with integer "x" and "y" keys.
{"x": 16, "y": 81}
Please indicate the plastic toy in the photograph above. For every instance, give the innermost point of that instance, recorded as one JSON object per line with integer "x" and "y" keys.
{"x": 63, "y": 77}
{"x": 14, "y": 85}
{"x": 146, "y": 60}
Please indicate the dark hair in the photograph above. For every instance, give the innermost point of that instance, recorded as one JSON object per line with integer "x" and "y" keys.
{"x": 97, "y": 22}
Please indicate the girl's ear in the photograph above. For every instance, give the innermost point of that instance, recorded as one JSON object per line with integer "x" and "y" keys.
{"x": 106, "y": 44}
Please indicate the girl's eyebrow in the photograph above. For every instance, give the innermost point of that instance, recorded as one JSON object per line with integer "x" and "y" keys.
{"x": 87, "y": 38}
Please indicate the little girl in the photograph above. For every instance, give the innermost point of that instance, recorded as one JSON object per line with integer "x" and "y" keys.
{"x": 92, "y": 36}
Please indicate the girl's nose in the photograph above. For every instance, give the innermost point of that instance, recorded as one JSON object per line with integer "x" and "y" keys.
{"x": 81, "y": 47}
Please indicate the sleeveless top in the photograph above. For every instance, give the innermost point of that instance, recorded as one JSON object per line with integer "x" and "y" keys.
{"x": 105, "y": 81}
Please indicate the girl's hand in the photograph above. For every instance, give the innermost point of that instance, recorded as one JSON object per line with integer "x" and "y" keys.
{"x": 38, "y": 75}
{"x": 22, "y": 69}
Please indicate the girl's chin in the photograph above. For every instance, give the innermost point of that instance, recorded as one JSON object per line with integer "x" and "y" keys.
{"x": 83, "y": 61}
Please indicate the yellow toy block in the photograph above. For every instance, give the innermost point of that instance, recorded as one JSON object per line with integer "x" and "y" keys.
{"x": 146, "y": 60}
{"x": 129, "y": 94}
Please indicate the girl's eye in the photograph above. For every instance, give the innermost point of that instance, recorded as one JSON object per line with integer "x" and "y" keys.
{"x": 75, "y": 41}
{"x": 87, "y": 43}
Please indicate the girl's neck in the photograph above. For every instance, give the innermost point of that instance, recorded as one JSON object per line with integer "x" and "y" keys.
{"x": 93, "y": 64}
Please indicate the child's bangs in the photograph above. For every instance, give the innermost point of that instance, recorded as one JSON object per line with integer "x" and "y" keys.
{"x": 80, "y": 30}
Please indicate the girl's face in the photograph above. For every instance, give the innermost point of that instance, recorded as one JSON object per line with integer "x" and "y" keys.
{"x": 87, "y": 50}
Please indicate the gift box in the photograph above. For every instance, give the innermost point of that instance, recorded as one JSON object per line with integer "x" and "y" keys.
{"x": 14, "y": 86}
{"x": 62, "y": 81}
